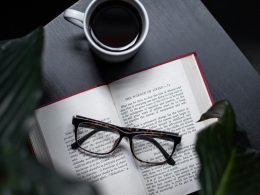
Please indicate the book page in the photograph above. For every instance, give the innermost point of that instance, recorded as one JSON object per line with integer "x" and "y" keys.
{"x": 162, "y": 98}
{"x": 114, "y": 174}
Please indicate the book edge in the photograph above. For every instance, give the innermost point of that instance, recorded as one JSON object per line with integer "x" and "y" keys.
{"x": 203, "y": 77}
{"x": 153, "y": 66}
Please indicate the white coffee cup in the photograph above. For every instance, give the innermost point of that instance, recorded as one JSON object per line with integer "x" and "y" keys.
{"x": 82, "y": 20}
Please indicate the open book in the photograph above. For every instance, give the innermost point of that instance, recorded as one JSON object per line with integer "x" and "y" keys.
{"x": 168, "y": 97}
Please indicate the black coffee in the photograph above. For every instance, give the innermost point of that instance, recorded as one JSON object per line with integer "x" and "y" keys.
{"x": 115, "y": 25}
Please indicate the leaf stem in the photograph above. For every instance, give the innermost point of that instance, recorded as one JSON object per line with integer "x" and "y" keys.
{"x": 224, "y": 180}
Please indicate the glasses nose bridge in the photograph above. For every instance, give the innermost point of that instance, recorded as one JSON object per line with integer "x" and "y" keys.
{"x": 126, "y": 138}
{"x": 127, "y": 134}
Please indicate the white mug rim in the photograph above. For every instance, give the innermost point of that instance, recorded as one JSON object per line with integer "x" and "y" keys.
{"x": 116, "y": 53}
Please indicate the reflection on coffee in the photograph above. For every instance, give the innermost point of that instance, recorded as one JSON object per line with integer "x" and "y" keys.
{"x": 115, "y": 25}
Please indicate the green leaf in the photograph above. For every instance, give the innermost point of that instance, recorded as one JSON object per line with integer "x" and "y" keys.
{"x": 19, "y": 86}
{"x": 228, "y": 164}
{"x": 20, "y": 173}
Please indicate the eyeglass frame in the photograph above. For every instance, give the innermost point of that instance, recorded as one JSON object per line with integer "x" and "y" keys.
{"x": 129, "y": 133}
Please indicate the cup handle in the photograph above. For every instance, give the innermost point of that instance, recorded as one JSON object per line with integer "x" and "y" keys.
{"x": 74, "y": 16}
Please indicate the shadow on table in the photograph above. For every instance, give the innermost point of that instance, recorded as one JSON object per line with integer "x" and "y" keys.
{"x": 107, "y": 71}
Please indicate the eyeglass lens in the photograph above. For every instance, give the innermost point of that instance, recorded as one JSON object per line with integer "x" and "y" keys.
{"x": 96, "y": 138}
{"x": 152, "y": 149}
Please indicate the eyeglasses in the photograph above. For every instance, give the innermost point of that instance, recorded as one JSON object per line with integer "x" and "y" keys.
{"x": 100, "y": 138}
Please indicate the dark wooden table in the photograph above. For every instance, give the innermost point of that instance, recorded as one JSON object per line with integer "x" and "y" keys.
{"x": 176, "y": 27}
